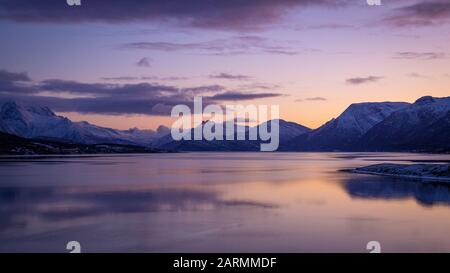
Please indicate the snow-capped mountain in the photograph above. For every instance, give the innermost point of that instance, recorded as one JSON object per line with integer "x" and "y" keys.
{"x": 423, "y": 125}
{"x": 341, "y": 133}
{"x": 385, "y": 126}
{"x": 35, "y": 122}
{"x": 288, "y": 131}
{"x": 15, "y": 145}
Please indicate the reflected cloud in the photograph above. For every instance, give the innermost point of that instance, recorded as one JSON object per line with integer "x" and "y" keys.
{"x": 425, "y": 193}
{"x": 55, "y": 204}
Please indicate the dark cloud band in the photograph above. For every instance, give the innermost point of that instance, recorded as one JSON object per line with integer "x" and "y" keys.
{"x": 113, "y": 99}
{"x": 362, "y": 80}
{"x": 217, "y": 14}
{"x": 424, "y": 13}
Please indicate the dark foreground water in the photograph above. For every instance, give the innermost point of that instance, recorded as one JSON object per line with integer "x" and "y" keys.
{"x": 219, "y": 202}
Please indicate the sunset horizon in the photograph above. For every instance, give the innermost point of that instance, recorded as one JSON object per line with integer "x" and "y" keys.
{"x": 313, "y": 66}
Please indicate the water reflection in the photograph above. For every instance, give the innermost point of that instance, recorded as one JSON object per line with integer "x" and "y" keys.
{"x": 221, "y": 202}
{"x": 17, "y": 204}
{"x": 376, "y": 187}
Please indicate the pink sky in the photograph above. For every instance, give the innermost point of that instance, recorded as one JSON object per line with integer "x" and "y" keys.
{"x": 316, "y": 59}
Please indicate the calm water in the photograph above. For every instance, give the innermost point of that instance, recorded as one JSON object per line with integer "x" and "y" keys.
{"x": 219, "y": 202}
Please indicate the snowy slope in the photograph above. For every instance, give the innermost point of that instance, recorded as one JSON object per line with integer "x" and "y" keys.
{"x": 30, "y": 121}
{"x": 340, "y": 133}
{"x": 425, "y": 124}
{"x": 287, "y": 130}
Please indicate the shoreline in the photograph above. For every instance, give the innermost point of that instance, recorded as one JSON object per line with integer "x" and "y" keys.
{"x": 413, "y": 177}
{"x": 428, "y": 172}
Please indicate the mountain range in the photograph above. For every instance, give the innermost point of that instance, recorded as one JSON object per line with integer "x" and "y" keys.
{"x": 342, "y": 132}
{"x": 14, "y": 145}
{"x": 37, "y": 122}
{"x": 288, "y": 131}
{"x": 422, "y": 126}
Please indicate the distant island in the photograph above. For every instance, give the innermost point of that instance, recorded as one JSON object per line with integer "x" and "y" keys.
{"x": 422, "y": 126}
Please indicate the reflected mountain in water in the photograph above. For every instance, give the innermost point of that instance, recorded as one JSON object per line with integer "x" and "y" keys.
{"x": 425, "y": 193}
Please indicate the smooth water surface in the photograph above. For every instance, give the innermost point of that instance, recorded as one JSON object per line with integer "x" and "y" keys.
{"x": 219, "y": 202}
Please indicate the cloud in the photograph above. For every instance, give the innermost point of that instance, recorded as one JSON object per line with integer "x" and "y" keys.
{"x": 171, "y": 78}
{"x": 316, "y": 99}
{"x": 120, "y": 78}
{"x": 144, "y": 62}
{"x": 108, "y": 105}
{"x": 142, "y": 78}
{"x": 247, "y": 44}
{"x": 228, "y": 76}
{"x": 312, "y": 99}
{"x": 409, "y": 55}
{"x": 233, "y": 95}
{"x": 261, "y": 86}
{"x": 15, "y": 82}
{"x": 123, "y": 90}
{"x": 363, "y": 80}
{"x": 332, "y": 26}
{"x": 417, "y": 75}
{"x": 424, "y": 13}
{"x": 113, "y": 98}
{"x": 204, "y": 89}
{"x": 104, "y": 89}
{"x": 43, "y": 203}
{"x": 13, "y": 76}
{"x": 206, "y": 14}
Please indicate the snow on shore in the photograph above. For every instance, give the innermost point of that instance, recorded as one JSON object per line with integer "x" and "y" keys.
{"x": 439, "y": 172}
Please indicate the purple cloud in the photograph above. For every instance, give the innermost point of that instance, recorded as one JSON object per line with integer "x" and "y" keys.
{"x": 144, "y": 62}
{"x": 15, "y": 82}
{"x": 249, "y": 44}
{"x": 260, "y": 86}
{"x": 227, "y": 76}
{"x": 103, "y": 89}
{"x": 409, "y": 55}
{"x": 425, "y": 13}
{"x": 142, "y": 78}
{"x": 312, "y": 99}
{"x": 417, "y": 75}
{"x": 233, "y": 95}
{"x": 363, "y": 80}
{"x": 113, "y": 98}
{"x": 13, "y": 76}
{"x": 316, "y": 99}
{"x": 204, "y": 89}
{"x": 120, "y": 78}
{"x": 328, "y": 26}
{"x": 217, "y": 14}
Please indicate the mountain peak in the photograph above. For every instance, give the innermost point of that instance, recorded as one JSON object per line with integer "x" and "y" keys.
{"x": 423, "y": 125}
{"x": 425, "y": 100}
{"x": 361, "y": 117}
{"x": 163, "y": 130}
{"x": 13, "y": 108}
{"x": 31, "y": 121}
